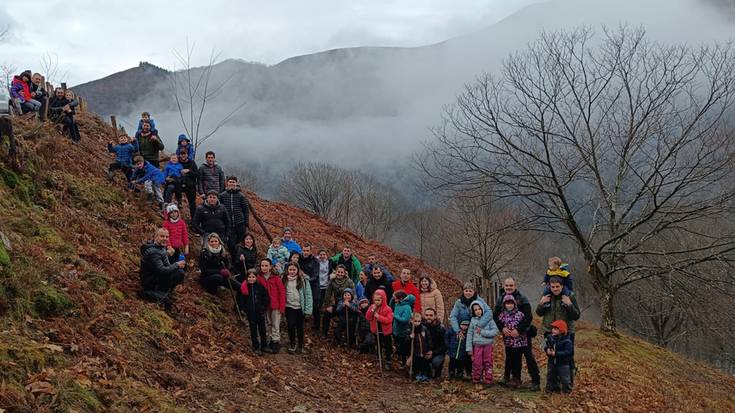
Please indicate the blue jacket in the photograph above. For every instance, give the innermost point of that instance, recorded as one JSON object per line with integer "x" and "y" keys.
{"x": 172, "y": 170}
{"x": 563, "y": 346}
{"x": 461, "y": 312}
{"x": 456, "y": 348}
{"x": 123, "y": 153}
{"x": 360, "y": 291}
{"x": 190, "y": 148}
{"x": 488, "y": 329}
{"x": 291, "y": 246}
{"x": 402, "y": 316}
{"x": 149, "y": 173}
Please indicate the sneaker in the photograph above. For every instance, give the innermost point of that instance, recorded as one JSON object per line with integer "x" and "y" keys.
{"x": 258, "y": 352}
{"x": 291, "y": 349}
{"x": 300, "y": 349}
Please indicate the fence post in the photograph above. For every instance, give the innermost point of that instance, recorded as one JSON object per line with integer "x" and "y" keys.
{"x": 113, "y": 120}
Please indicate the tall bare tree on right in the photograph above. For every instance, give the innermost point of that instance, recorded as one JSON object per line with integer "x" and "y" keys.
{"x": 612, "y": 140}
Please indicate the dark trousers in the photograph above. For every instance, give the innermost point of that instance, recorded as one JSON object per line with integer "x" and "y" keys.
{"x": 459, "y": 367}
{"x": 513, "y": 362}
{"x": 341, "y": 333}
{"x": 257, "y": 329}
{"x": 70, "y": 126}
{"x": 155, "y": 162}
{"x": 403, "y": 347}
{"x": 161, "y": 289}
{"x": 367, "y": 342}
{"x": 171, "y": 190}
{"x": 558, "y": 373}
{"x": 326, "y": 319}
{"x": 572, "y": 364}
{"x": 386, "y": 346}
{"x": 437, "y": 365}
{"x": 117, "y": 166}
{"x": 420, "y": 366}
{"x": 295, "y": 323}
{"x": 236, "y": 234}
{"x": 212, "y": 281}
{"x": 318, "y": 296}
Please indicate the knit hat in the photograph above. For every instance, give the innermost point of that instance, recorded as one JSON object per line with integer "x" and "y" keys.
{"x": 468, "y": 286}
{"x": 400, "y": 295}
{"x": 212, "y": 192}
{"x": 465, "y": 323}
{"x": 561, "y": 325}
{"x": 171, "y": 208}
{"x": 509, "y": 297}
{"x": 364, "y": 300}
{"x": 287, "y": 229}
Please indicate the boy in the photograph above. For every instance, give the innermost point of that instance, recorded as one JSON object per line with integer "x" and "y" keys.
{"x": 420, "y": 339}
{"x": 558, "y": 269}
{"x": 347, "y": 313}
{"x": 278, "y": 254}
{"x": 459, "y": 362}
{"x": 145, "y": 117}
{"x": 172, "y": 174}
{"x": 123, "y": 157}
{"x": 185, "y": 144}
{"x": 364, "y": 336}
{"x": 558, "y": 348}
{"x": 150, "y": 176}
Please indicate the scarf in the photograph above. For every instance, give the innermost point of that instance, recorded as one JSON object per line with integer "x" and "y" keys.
{"x": 214, "y": 250}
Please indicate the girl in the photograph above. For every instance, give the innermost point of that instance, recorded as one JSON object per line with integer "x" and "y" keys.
{"x": 276, "y": 304}
{"x": 298, "y": 305}
{"x": 255, "y": 302}
{"x": 480, "y": 336}
{"x": 380, "y": 316}
{"x": 247, "y": 255}
{"x": 509, "y": 319}
{"x": 347, "y": 314}
{"x": 278, "y": 254}
{"x": 214, "y": 263}
{"x": 421, "y": 341}
{"x": 431, "y": 297}
{"x": 178, "y": 234}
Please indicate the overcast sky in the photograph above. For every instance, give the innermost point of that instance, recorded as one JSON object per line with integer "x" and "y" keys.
{"x": 93, "y": 39}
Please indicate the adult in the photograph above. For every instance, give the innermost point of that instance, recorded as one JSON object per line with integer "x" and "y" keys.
{"x": 288, "y": 241}
{"x": 438, "y": 345}
{"x": 309, "y": 264}
{"x": 326, "y": 267}
{"x": 246, "y": 257}
{"x": 372, "y": 260}
{"x": 211, "y": 176}
{"x": 188, "y": 181}
{"x": 377, "y": 281}
{"x": 405, "y": 283}
{"x": 558, "y": 306}
{"x": 431, "y": 297}
{"x": 149, "y": 144}
{"x": 214, "y": 263}
{"x": 39, "y": 93}
{"x": 210, "y": 217}
{"x": 238, "y": 211}
{"x": 333, "y": 295}
{"x": 350, "y": 262}
{"x": 462, "y": 312}
{"x": 20, "y": 89}
{"x": 524, "y": 327}
{"x": 158, "y": 275}
{"x": 61, "y": 110}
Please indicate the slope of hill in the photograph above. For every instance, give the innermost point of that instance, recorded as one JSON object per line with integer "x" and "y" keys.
{"x": 74, "y": 337}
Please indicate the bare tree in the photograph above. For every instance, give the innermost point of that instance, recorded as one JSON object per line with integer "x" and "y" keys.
{"x": 7, "y": 70}
{"x": 378, "y": 208}
{"x": 315, "y": 186}
{"x": 194, "y": 90}
{"x": 50, "y": 69}
{"x": 612, "y": 141}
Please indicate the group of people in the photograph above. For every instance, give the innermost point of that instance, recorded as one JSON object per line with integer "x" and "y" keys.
{"x": 28, "y": 90}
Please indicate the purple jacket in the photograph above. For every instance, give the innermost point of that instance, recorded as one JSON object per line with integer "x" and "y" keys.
{"x": 511, "y": 320}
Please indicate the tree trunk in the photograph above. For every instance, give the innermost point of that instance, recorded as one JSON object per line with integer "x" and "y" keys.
{"x": 607, "y": 313}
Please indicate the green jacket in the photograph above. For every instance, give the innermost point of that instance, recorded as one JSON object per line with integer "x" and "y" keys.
{"x": 353, "y": 269}
{"x": 150, "y": 146}
{"x": 305, "y": 297}
{"x": 556, "y": 310}
{"x": 335, "y": 289}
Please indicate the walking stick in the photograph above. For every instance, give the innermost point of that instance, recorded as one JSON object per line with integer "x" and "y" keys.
{"x": 347, "y": 322}
{"x": 380, "y": 353}
{"x": 410, "y": 359}
{"x": 459, "y": 346}
{"x": 234, "y": 298}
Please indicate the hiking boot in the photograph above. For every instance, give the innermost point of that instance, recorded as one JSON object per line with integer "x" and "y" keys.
{"x": 503, "y": 381}
{"x": 291, "y": 348}
{"x": 300, "y": 349}
{"x": 275, "y": 347}
{"x": 535, "y": 387}
{"x": 514, "y": 383}
{"x": 258, "y": 352}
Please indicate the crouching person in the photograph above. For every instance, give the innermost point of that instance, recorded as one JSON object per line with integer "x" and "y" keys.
{"x": 158, "y": 276}
{"x": 214, "y": 264}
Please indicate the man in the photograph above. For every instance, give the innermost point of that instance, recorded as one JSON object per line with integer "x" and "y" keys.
{"x": 325, "y": 268}
{"x": 211, "y": 177}
{"x": 20, "y": 89}
{"x": 149, "y": 144}
{"x": 405, "y": 283}
{"x": 211, "y": 217}
{"x": 438, "y": 345}
{"x": 350, "y": 262}
{"x": 158, "y": 277}
{"x": 288, "y": 241}
{"x": 372, "y": 260}
{"x": 524, "y": 306}
{"x": 557, "y": 306}
{"x": 188, "y": 182}
{"x": 38, "y": 92}
{"x": 238, "y": 210}
{"x": 310, "y": 266}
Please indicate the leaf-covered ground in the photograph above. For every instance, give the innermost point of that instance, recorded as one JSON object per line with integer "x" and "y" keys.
{"x": 74, "y": 337}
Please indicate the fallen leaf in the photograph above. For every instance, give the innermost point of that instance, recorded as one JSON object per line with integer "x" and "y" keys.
{"x": 53, "y": 347}
{"x": 41, "y": 387}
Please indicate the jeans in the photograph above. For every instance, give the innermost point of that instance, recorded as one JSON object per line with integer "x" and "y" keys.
{"x": 31, "y": 105}
{"x": 437, "y": 365}
{"x": 420, "y": 366}
{"x": 295, "y": 323}
{"x": 70, "y": 126}
{"x": 482, "y": 364}
{"x": 161, "y": 290}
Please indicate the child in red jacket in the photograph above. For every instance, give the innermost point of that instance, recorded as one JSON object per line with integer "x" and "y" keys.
{"x": 380, "y": 317}
{"x": 277, "y": 303}
{"x": 178, "y": 234}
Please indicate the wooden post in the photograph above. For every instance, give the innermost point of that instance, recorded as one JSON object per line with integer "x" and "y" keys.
{"x": 81, "y": 104}
{"x": 113, "y": 120}
{"x": 6, "y": 129}
{"x": 262, "y": 225}
{"x": 63, "y": 86}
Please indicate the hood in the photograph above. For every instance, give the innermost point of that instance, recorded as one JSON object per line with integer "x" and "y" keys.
{"x": 183, "y": 137}
{"x": 558, "y": 273}
{"x": 409, "y": 300}
{"x": 472, "y": 311}
{"x": 349, "y": 290}
{"x": 381, "y": 293}
{"x": 147, "y": 246}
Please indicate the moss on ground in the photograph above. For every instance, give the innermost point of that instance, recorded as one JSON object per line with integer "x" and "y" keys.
{"x": 49, "y": 302}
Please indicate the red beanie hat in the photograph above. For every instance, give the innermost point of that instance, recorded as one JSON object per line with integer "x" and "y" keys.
{"x": 561, "y": 325}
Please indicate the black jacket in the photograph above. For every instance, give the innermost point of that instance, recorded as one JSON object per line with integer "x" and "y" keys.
{"x": 154, "y": 263}
{"x": 563, "y": 346}
{"x": 251, "y": 259}
{"x": 211, "y": 263}
{"x": 208, "y": 219}
{"x": 189, "y": 180}
{"x": 437, "y": 332}
{"x": 422, "y": 342}
{"x": 524, "y": 306}
{"x": 237, "y": 207}
{"x": 256, "y": 302}
{"x": 372, "y": 286}
{"x": 310, "y": 267}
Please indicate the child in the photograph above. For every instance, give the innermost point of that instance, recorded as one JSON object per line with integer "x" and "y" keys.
{"x": 278, "y": 254}
{"x": 558, "y": 348}
{"x": 480, "y": 344}
{"x": 402, "y": 323}
{"x": 123, "y": 157}
{"x": 380, "y": 317}
{"x": 360, "y": 286}
{"x": 364, "y": 337}
{"x": 145, "y": 117}
{"x": 172, "y": 174}
{"x": 298, "y": 305}
{"x": 558, "y": 269}
{"x": 150, "y": 176}
{"x": 178, "y": 234}
{"x": 185, "y": 144}
{"x": 510, "y": 318}
{"x": 276, "y": 304}
{"x": 459, "y": 361}
{"x": 347, "y": 313}
{"x": 420, "y": 339}
{"x": 255, "y": 301}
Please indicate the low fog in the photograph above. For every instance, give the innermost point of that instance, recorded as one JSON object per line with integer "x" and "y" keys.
{"x": 371, "y": 108}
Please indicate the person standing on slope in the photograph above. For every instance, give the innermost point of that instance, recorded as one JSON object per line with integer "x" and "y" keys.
{"x": 238, "y": 210}
{"x": 211, "y": 176}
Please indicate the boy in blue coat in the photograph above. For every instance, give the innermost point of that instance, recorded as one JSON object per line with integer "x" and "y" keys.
{"x": 459, "y": 361}
{"x": 124, "y": 152}
{"x": 172, "y": 174}
{"x": 150, "y": 176}
{"x": 184, "y": 143}
{"x": 558, "y": 348}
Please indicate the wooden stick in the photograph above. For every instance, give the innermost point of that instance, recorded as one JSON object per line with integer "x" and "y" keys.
{"x": 113, "y": 120}
{"x": 262, "y": 225}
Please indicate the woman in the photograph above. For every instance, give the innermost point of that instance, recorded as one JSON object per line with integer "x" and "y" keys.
{"x": 431, "y": 297}
{"x": 214, "y": 263}
{"x": 247, "y": 257}
{"x": 61, "y": 110}
{"x": 461, "y": 310}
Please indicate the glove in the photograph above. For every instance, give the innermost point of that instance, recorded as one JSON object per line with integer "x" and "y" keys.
{"x": 225, "y": 273}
